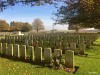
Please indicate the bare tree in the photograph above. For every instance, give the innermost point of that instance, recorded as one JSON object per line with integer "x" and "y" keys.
{"x": 38, "y": 25}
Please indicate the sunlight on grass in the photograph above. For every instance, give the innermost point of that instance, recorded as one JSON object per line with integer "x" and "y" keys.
{"x": 97, "y": 42}
{"x": 89, "y": 65}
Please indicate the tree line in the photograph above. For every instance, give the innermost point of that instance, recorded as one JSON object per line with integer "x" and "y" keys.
{"x": 37, "y": 25}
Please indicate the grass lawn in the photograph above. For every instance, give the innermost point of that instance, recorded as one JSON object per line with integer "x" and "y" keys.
{"x": 89, "y": 65}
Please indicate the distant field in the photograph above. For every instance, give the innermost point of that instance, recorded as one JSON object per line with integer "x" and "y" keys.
{"x": 89, "y": 65}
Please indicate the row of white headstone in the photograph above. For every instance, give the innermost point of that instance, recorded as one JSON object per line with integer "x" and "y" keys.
{"x": 36, "y": 54}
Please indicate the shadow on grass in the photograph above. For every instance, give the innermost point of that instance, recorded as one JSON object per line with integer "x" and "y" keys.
{"x": 76, "y": 69}
{"x": 22, "y": 60}
{"x": 40, "y": 64}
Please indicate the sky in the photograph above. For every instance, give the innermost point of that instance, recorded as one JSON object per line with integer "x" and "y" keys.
{"x": 23, "y": 13}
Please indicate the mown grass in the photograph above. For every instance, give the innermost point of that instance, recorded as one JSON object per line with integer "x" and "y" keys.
{"x": 89, "y": 65}
{"x": 97, "y": 42}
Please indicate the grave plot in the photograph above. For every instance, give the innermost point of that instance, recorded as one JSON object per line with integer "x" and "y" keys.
{"x": 69, "y": 61}
{"x": 4, "y": 48}
{"x": 40, "y": 43}
{"x": 57, "y": 53}
{"x": 47, "y": 56}
{"x": 58, "y": 45}
{"x": 82, "y": 48}
{"x": 16, "y": 51}
{"x": 52, "y": 45}
{"x": 73, "y": 46}
{"x": 30, "y": 53}
{"x": 38, "y": 54}
{"x": 10, "y": 50}
{"x": 23, "y": 52}
{"x": 0, "y": 48}
{"x": 46, "y": 44}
